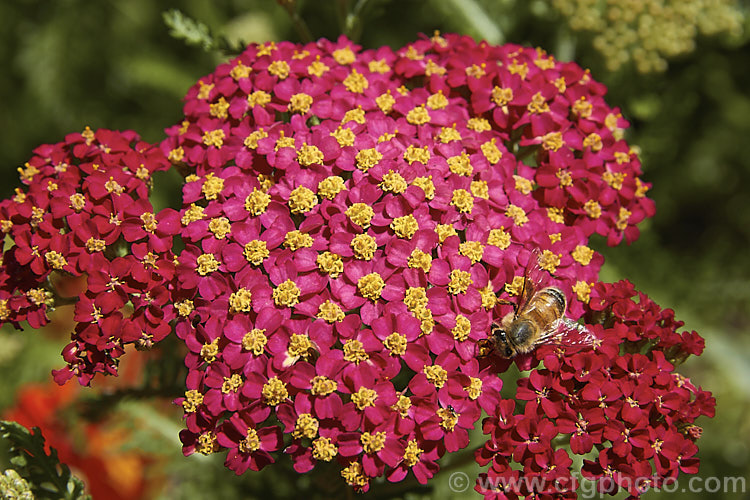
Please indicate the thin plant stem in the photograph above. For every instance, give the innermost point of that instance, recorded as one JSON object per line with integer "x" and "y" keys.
{"x": 303, "y": 31}
{"x": 353, "y": 22}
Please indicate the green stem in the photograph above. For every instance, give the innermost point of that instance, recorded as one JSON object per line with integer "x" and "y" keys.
{"x": 299, "y": 24}
{"x": 342, "y": 13}
{"x": 353, "y": 22}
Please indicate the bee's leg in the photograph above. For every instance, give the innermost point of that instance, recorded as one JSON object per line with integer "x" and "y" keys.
{"x": 485, "y": 348}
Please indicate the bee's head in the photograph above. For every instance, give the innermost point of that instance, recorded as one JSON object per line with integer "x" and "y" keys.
{"x": 501, "y": 343}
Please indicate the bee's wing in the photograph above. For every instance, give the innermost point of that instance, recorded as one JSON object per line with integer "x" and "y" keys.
{"x": 534, "y": 272}
{"x": 573, "y": 333}
{"x": 533, "y": 279}
{"x": 566, "y": 332}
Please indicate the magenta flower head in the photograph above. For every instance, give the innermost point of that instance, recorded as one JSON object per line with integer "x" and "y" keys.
{"x": 361, "y": 230}
{"x": 86, "y": 212}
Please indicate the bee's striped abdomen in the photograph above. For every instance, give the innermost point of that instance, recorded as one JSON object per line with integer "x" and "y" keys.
{"x": 545, "y": 307}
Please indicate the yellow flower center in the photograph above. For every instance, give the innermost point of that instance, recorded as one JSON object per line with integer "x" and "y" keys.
{"x": 552, "y": 141}
{"x": 420, "y": 260}
{"x": 354, "y": 351}
{"x": 427, "y": 186}
{"x": 219, "y": 109}
{"x": 256, "y": 202}
{"x": 396, "y": 344}
{"x": 296, "y": 239}
{"x": 302, "y": 200}
{"x": 463, "y": 200}
{"x": 330, "y": 312}
{"x": 219, "y": 227}
{"x": 415, "y": 298}
{"x": 449, "y": 418}
{"x": 393, "y": 182}
{"x": 372, "y": 442}
{"x": 322, "y": 386}
{"x": 474, "y": 390}
{"x": 385, "y": 102}
{"x": 344, "y": 136}
{"x": 286, "y": 294}
{"x": 418, "y": 115}
{"x": 361, "y": 214}
{"x": 309, "y": 155}
{"x": 364, "y": 246}
{"x": 300, "y": 346}
{"x": 193, "y": 399}
{"x": 582, "y": 291}
{"x": 364, "y": 398}
{"x": 331, "y": 186}
{"x": 274, "y": 392}
{"x": 232, "y": 384}
{"x": 582, "y": 254}
{"x": 462, "y": 329}
{"x": 461, "y": 165}
{"x": 214, "y": 138}
{"x": 593, "y": 209}
{"x": 255, "y": 341}
{"x": 210, "y": 351}
{"x": 356, "y": 82}
{"x": 405, "y": 226}
{"x": 300, "y": 103}
{"x": 501, "y": 96}
{"x": 55, "y": 260}
{"x": 330, "y": 263}
{"x": 207, "y": 263}
{"x": 517, "y": 214}
{"x": 402, "y": 406}
{"x": 371, "y": 286}
{"x": 251, "y": 442}
{"x": 207, "y": 443}
{"x": 549, "y": 261}
{"x": 460, "y": 281}
{"x": 279, "y": 69}
{"x": 324, "y": 449}
{"x": 437, "y": 101}
{"x": 436, "y": 375}
{"x": 258, "y": 98}
{"x": 255, "y": 252}
{"x": 240, "y": 301}
{"x": 471, "y": 249}
{"x": 538, "y": 104}
{"x": 414, "y": 153}
{"x": 306, "y": 426}
{"x": 412, "y": 453}
{"x": 368, "y": 158}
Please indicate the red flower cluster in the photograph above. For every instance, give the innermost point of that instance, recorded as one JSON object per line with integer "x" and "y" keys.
{"x": 86, "y": 213}
{"x": 352, "y": 220}
{"x": 621, "y": 406}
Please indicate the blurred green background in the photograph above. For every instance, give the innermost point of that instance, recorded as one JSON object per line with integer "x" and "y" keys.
{"x": 680, "y": 71}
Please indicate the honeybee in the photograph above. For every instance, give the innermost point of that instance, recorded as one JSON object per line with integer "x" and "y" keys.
{"x": 537, "y": 318}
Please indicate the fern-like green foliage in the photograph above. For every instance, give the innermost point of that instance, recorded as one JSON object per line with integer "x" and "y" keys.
{"x": 43, "y": 471}
{"x": 183, "y": 27}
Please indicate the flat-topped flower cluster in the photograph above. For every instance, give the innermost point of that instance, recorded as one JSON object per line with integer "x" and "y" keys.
{"x": 86, "y": 212}
{"x": 353, "y": 222}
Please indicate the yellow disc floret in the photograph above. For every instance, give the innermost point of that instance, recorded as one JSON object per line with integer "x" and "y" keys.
{"x": 302, "y": 200}
{"x": 286, "y": 294}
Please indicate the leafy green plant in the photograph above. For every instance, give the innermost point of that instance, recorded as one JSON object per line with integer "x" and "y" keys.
{"x": 195, "y": 33}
